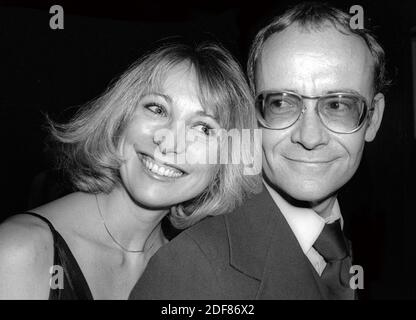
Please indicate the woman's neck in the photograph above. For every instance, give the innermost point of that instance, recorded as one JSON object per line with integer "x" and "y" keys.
{"x": 130, "y": 225}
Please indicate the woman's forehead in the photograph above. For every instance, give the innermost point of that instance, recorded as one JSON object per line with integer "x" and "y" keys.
{"x": 185, "y": 75}
{"x": 165, "y": 74}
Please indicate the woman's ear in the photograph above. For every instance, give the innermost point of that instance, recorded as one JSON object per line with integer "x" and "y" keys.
{"x": 375, "y": 117}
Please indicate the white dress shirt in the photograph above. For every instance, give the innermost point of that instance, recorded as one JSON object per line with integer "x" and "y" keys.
{"x": 306, "y": 225}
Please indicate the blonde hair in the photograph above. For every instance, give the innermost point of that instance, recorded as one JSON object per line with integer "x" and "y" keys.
{"x": 88, "y": 143}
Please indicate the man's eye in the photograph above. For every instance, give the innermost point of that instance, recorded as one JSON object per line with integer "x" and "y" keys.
{"x": 338, "y": 106}
{"x": 276, "y": 104}
{"x": 281, "y": 106}
{"x": 156, "y": 109}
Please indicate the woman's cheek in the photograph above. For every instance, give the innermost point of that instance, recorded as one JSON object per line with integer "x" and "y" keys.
{"x": 197, "y": 152}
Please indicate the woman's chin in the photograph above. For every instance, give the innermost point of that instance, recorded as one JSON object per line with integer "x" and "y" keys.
{"x": 152, "y": 203}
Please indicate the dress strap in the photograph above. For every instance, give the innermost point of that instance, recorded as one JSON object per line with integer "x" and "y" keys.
{"x": 75, "y": 283}
{"x": 50, "y": 225}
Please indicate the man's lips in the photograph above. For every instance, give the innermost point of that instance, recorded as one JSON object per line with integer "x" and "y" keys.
{"x": 310, "y": 161}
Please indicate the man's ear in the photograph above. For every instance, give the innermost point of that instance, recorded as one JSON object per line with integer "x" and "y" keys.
{"x": 375, "y": 117}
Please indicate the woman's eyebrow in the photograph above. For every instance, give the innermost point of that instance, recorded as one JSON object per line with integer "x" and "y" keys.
{"x": 164, "y": 96}
{"x": 169, "y": 100}
{"x": 203, "y": 113}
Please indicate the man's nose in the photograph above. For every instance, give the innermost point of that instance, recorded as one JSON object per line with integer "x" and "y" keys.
{"x": 170, "y": 139}
{"x": 309, "y": 131}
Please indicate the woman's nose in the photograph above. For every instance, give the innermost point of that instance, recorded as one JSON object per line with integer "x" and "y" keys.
{"x": 170, "y": 140}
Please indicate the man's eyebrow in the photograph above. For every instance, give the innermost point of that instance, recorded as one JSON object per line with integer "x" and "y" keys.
{"x": 340, "y": 90}
{"x": 343, "y": 90}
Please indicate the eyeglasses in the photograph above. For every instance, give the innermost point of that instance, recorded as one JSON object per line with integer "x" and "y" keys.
{"x": 338, "y": 112}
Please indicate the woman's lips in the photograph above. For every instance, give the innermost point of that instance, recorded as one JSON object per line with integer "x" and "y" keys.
{"x": 160, "y": 169}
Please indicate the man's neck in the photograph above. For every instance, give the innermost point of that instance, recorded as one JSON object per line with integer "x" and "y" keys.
{"x": 324, "y": 208}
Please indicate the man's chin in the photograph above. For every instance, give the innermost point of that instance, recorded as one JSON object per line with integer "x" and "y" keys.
{"x": 303, "y": 189}
{"x": 307, "y": 193}
{"x": 310, "y": 198}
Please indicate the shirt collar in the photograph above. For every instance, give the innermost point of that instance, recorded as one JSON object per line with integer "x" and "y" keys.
{"x": 305, "y": 223}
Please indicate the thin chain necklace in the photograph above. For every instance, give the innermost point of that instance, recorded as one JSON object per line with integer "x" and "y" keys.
{"x": 118, "y": 243}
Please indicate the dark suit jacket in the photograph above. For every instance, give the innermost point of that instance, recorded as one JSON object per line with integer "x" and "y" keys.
{"x": 250, "y": 253}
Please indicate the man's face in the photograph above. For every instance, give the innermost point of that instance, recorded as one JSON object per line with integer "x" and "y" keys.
{"x": 306, "y": 160}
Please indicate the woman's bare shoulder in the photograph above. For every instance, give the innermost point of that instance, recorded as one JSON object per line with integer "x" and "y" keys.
{"x": 70, "y": 205}
{"x": 26, "y": 255}
{"x": 24, "y": 231}
{"x": 27, "y": 248}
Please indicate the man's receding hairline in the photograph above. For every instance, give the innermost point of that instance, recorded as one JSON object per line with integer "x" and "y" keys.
{"x": 313, "y": 28}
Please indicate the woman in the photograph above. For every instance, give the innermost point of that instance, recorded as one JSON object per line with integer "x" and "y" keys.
{"x": 131, "y": 160}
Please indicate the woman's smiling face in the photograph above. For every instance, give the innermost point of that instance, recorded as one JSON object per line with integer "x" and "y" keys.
{"x": 163, "y": 166}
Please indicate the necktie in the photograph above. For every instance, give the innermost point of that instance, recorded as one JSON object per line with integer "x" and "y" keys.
{"x": 334, "y": 248}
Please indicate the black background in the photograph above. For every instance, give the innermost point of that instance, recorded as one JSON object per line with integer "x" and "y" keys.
{"x": 55, "y": 71}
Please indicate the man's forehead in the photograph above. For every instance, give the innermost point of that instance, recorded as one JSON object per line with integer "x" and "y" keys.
{"x": 314, "y": 55}
{"x": 326, "y": 44}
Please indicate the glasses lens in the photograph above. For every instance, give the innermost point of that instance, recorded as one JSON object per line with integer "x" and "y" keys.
{"x": 280, "y": 110}
{"x": 342, "y": 113}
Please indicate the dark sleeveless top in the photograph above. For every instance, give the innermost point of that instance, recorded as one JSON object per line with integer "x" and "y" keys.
{"x": 74, "y": 285}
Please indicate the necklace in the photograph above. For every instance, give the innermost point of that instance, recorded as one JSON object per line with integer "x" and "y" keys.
{"x": 118, "y": 243}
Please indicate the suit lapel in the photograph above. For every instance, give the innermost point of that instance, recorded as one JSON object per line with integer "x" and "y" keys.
{"x": 249, "y": 234}
{"x": 263, "y": 247}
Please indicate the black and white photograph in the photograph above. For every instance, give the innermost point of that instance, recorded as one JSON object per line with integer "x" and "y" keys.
{"x": 207, "y": 151}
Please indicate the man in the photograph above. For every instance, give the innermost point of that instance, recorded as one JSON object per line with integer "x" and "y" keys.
{"x": 318, "y": 99}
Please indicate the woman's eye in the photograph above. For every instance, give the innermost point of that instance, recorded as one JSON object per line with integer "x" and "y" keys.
{"x": 205, "y": 129}
{"x": 156, "y": 109}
